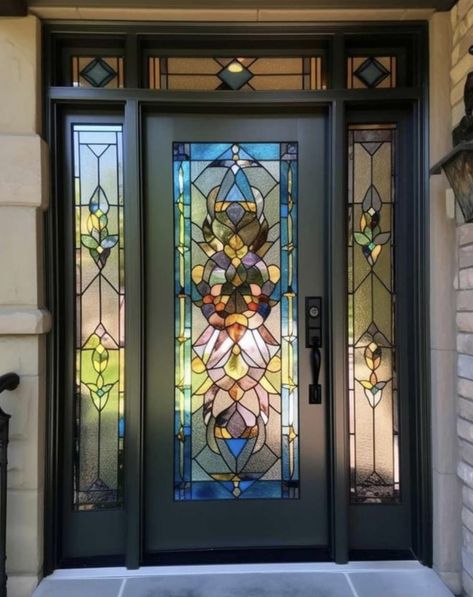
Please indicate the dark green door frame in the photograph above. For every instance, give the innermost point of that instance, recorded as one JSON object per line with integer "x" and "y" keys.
{"x": 342, "y": 105}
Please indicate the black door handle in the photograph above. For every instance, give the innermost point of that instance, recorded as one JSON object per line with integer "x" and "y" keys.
{"x": 315, "y": 390}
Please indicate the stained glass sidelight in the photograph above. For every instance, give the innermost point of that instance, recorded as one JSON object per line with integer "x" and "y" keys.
{"x": 100, "y": 303}
{"x": 97, "y": 71}
{"x": 371, "y": 72}
{"x": 236, "y": 409}
{"x": 373, "y": 400}
{"x": 235, "y": 73}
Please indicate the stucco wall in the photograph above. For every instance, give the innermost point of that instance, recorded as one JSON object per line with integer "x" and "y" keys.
{"x": 23, "y": 321}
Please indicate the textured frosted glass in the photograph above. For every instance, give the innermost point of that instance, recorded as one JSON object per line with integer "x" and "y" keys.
{"x": 100, "y": 301}
{"x": 374, "y": 433}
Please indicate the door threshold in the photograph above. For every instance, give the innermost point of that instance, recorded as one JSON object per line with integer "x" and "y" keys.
{"x": 355, "y": 579}
{"x": 325, "y": 567}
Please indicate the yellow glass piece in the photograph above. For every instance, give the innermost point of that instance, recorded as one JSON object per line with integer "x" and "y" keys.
{"x": 235, "y": 367}
{"x": 274, "y": 364}
{"x": 274, "y": 273}
{"x": 198, "y": 366}
{"x": 197, "y": 274}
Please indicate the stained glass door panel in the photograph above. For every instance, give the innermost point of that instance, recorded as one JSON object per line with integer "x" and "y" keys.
{"x": 234, "y": 213}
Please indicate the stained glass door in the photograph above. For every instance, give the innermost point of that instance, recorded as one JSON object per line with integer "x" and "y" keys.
{"x": 235, "y": 456}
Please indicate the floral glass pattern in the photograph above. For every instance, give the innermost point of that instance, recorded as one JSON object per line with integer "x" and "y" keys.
{"x": 235, "y": 73}
{"x": 236, "y": 408}
{"x": 97, "y": 71}
{"x": 373, "y": 401}
{"x": 371, "y": 72}
{"x": 100, "y": 303}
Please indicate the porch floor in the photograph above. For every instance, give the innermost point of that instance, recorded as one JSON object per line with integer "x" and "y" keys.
{"x": 356, "y": 579}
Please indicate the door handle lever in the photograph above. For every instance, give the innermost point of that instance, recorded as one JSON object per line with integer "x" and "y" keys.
{"x": 315, "y": 390}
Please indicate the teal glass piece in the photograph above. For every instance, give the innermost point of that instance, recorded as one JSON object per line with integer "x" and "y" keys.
{"x": 236, "y": 321}
{"x": 235, "y": 75}
{"x": 98, "y": 73}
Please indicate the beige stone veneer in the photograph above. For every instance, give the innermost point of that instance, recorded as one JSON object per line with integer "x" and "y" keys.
{"x": 24, "y": 320}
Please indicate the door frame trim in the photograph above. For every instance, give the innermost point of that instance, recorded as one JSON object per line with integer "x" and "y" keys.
{"x": 338, "y": 101}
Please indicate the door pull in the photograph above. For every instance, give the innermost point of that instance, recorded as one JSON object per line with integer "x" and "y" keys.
{"x": 313, "y": 315}
{"x": 315, "y": 389}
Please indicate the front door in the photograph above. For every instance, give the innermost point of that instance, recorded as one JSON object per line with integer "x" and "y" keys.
{"x": 235, "y": 443}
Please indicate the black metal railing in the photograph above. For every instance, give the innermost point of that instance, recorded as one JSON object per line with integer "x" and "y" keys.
{"x": 9, "y": 381}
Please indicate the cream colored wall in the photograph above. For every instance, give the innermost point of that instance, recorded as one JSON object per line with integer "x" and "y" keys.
{"x": 23, "y": 321}
{"x": 446, "y": 484}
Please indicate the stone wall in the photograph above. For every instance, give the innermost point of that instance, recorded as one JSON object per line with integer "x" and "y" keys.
{"x": 23, "y": 321}
{"x": 462, "y": 64}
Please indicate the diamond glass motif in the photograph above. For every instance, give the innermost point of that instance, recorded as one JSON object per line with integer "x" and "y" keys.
{"x": 98, "y": 73}
{"x": 371, "y": 72}
{"x": 235, "y": 75}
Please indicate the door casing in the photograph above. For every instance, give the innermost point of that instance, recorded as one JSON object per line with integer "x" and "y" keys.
{"x": 343, "y": 106}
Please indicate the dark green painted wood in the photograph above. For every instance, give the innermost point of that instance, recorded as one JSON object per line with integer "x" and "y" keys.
{"x": 13, "y": 8}
{"x": 134, "y": 332}
{"x": 338, "y": 337}
{"x": 263, "y": 4}
{"x": 227, "y": 524}
{"x": 231, "y": 37}
{"x": 83, "y": 534}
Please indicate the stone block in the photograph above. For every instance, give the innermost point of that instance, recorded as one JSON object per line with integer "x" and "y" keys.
{"x": 20, "y": 256}
{"x": 465, "y": 366}
{"x": 465, "y": 277}
{"x": 23, "y": 170}
{"x": 447, "y": 537}
{"x": 465, "y": 409}
{"x": 24, "y": 532}
{"x": 465, "y": 452}
{"x": 467, "y": 584}
{"x": 465, "y": 472}
{"x": 444, "y": 411}
{"x": 465, "y": 256}
{"x": 465, "y": 388}
{"x": 465, "y": 234}
{"x": 16, "y": 320}
{"x": 465, "y": 429}
{"x": 465, "y": 64}
{"x": 25, "y": 355}
{"x": 22, "y": 586}
{"x": 442, "y": 262}
{"x": 20, "y": 71}
{"x": 465, "y": 343}
{"x": 464, "y": 300}
{"x": 26, "y": 452}
{"x": 467, "y": 519}
{"x": 465, "y": 322}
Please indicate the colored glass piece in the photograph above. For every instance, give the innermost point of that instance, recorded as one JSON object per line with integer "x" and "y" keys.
{"x": 236, "y": 419}
{"x": 373, "y": 406}
{"x": 98, "y": 73}
{"x": 100, "y": 302}
{"x": 371, "y": 72}
{"x": 246, "y": 74}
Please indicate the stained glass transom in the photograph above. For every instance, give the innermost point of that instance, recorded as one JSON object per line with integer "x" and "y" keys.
{"x": 209, "y": 74}
{"x": 373, "y": 398}
{"x": 100, "y": 302}
{"x": 236, "y": 417}
{"x": 97, "y": 71}
{"x": 371, "y": 72}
